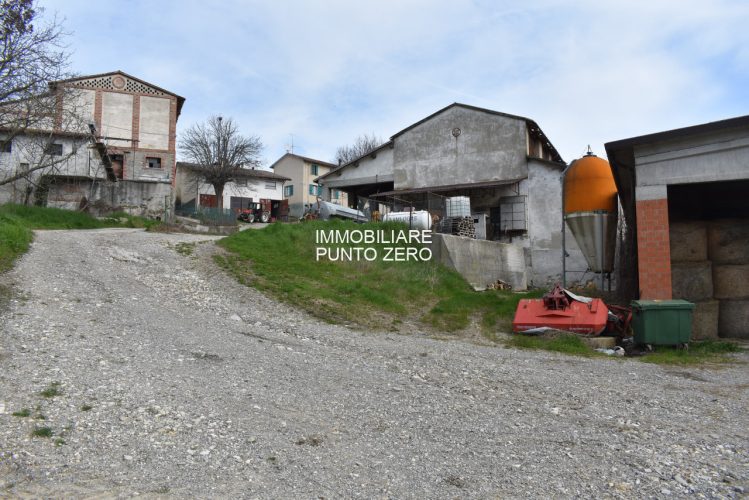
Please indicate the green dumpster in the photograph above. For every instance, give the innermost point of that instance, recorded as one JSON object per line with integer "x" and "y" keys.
{"x": 662, "y": 322}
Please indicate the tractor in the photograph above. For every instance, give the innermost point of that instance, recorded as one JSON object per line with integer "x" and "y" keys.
{"x": 254, "y": 212}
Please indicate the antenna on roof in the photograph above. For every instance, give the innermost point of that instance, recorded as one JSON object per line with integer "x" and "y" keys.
{"x": 290, "y": 147}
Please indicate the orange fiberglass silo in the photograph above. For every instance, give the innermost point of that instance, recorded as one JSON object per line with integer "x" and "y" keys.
{"x": 591, "y": 209}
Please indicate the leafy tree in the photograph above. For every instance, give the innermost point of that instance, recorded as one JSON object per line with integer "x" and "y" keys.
{"x": 361, "y": 146}
{"x": 219, "y": 152}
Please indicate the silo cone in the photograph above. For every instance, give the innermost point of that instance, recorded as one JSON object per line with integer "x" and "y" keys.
{"x": 590, "y": 210}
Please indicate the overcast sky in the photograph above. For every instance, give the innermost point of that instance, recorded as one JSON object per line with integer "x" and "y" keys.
{"x": 587, "y": 71}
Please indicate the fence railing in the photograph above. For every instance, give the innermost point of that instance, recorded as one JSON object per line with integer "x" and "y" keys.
{"x": 209, "y": 216}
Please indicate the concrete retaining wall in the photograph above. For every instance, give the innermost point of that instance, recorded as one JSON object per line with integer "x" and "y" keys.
{"x": 481, "y": 262}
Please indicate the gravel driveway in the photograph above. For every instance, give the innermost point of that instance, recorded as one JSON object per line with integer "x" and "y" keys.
{"x": 175, "y": 381}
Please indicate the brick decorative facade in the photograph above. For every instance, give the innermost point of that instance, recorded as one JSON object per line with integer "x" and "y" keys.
{"x": 653, "y": 249}
{"x": 135, "y": 163}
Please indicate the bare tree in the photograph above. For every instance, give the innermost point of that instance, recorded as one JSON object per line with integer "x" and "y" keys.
{"x": 219, "y": 152}
{"x": 32, "y": 56}
{"x": 361, "y": 146}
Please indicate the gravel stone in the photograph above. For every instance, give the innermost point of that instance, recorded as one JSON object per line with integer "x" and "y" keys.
{"x": 164, "y": 393}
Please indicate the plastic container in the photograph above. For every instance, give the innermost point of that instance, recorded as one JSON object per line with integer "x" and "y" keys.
{"x": 662, "y": 322}
{"x": 458, "y": 206}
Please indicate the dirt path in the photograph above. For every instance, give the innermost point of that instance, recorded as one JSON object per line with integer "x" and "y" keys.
{"x": 175, "y": 381}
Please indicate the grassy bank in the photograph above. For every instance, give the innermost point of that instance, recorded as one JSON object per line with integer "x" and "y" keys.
{"x": 698, "y": 353}
{"x": 281, "y": 261}
{"x": 706, "y": 351}
{"x": 18, "y": 221}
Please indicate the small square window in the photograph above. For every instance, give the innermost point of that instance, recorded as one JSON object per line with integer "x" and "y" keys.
{"x": 313, "y": 170}
{"x": 288, "y": 191}
{"x": 53, "y": 149}
{"x": 153, "y": 162}
{"x": 270, "y": 184}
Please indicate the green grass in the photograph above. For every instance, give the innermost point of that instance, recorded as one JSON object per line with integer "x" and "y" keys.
{"x": 708, "y": 351}
{"x": 184, "y": 248}
{"x": 564, "y": 343}
{"x": 703, "y": 352}
{"x": 18, "y": 221}
{"x": 51, "y": 391}
{"x": 22, "y": 413}
{"x": 281, "y": 261}
{"x": 42, "y": 432}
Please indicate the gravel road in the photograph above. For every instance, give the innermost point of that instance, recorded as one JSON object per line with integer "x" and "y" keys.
{"x": 174, "y": 381}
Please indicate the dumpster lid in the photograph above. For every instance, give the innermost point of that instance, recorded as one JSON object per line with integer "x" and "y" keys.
{"x": 662, "y": 304}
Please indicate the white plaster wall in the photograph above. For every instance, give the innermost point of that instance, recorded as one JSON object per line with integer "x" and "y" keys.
{"x": 370, "y": 170}
{"x": 154, "y": 122}
{"x": 117, "y": 118}
{"x": 73, "y": 161}
{"x": 490, "y": 147}
{"x": 718, "y": 156}
{"x": 544, "y": 190}
{"x": 78, "y": 109}
{"x": 254, "y": 189}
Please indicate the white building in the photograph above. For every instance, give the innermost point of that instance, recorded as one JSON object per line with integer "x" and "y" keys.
{"x": 302, "y": 190}
{"x": 127, "y": 162}
{"x": 252, "y": 185}
{"x": 504, "y": 163}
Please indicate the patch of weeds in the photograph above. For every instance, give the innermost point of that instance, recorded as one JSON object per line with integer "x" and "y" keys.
{"x": 207, "y": 356}
{"x": 564, "y": 343}
{"x": 42, "y": 432}
{"x": 162, "y": 490}
{"x": 310, "y": 440}
{"x": 22, "y": 413}
{"x": 707, "y": 351}
{"x": 86, "y": 408}
{"x": 456, "y": 481}
{"x": 6, "y": 294}
{"x": 59, "y": 442}
{"x": 272, "y": 459}
{"x": 184, "y": 248}
{"x": 51, "y": 391}
{"x": 40, "y": 416}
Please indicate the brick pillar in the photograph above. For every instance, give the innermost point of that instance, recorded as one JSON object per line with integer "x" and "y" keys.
{"x": 173, "y": 138}
{"x": 653, "y": 250}
{"x": 98, "y": 110}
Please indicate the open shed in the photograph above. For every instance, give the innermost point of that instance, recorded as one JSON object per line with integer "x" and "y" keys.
{"x": 685, "y": 195}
